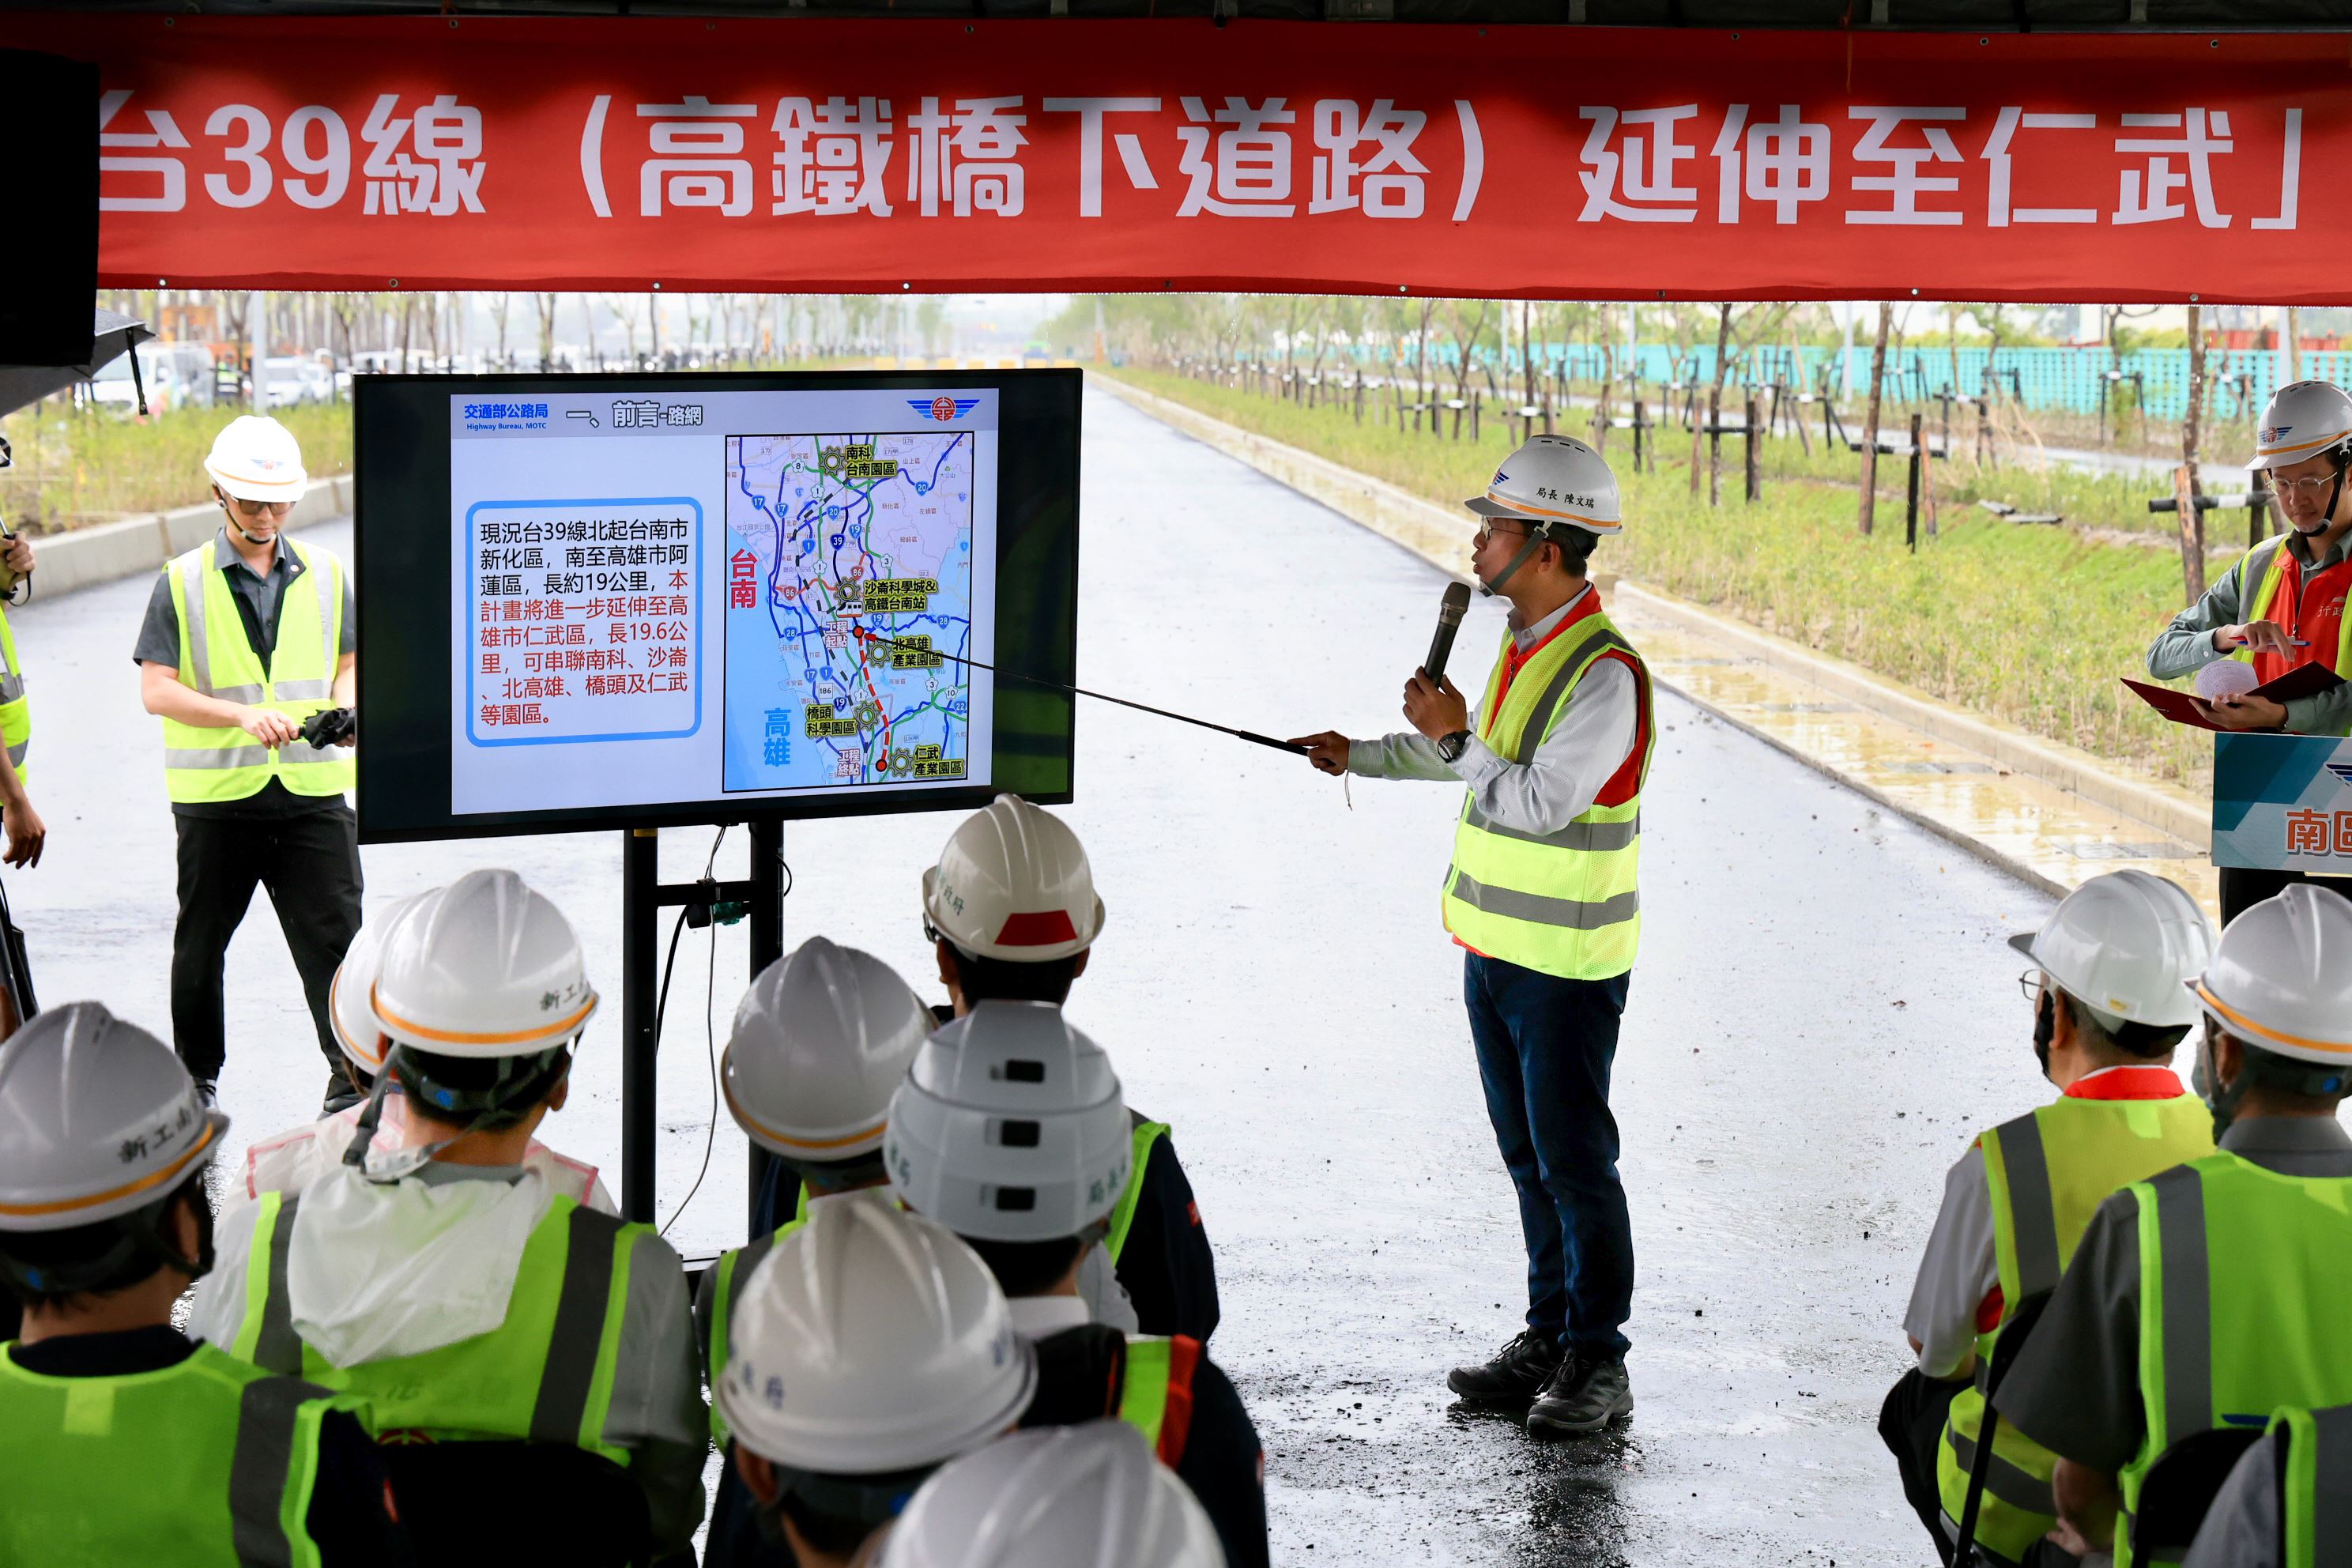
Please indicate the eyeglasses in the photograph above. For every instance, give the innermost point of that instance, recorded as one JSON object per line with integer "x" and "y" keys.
{"x": 2031, "y": 984}
{"x": 1486, "y": 531}
{"x": 2307, "y": 488}
{"x": 256, "y": 508}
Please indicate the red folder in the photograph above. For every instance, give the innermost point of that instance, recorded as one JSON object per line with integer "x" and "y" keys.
{"x": 2183, "y": 707}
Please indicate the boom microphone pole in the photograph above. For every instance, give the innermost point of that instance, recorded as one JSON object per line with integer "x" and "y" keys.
{"x": 1250, "y": 735}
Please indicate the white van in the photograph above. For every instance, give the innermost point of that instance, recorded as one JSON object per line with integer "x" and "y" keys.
{"x": 174, "y": 376}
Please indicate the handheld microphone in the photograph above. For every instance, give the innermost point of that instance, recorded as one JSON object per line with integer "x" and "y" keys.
{"x": 1449, "y": 621}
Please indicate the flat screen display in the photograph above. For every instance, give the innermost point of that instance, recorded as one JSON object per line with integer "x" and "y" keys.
{"x": 643, "y": 600}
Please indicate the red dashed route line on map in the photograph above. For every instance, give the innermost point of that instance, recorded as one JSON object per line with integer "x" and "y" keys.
{"x": 865, "y": 668}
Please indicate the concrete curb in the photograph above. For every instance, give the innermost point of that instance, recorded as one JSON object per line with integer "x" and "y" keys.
{"x": 88, "y": 556}
{"x": 1439, "y": 537}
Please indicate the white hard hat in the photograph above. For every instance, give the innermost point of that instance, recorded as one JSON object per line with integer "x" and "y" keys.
{"x": 490, "y": 968}
{"x": 820, "y": 1040}
{"x": 1010, "y": 1126}
{"x": 257, "y": 459}
{"x": 2280, "y": 978}
{"x": 1090, "y": 1495}
{"x": 871, "y": 1341}
{"x": 98, "y": 1118}
{"x": 1014, "y": 883}
{"x": 2303, "y": 419}
{"x": 350, "y": 1005}
{"x": 2123, "y": 945}
{"x": 1554, "y": 478}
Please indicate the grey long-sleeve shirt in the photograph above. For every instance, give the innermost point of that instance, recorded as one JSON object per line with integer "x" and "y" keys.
{"x": 1591, "y": 740}
{"x": 2185, "y": 646}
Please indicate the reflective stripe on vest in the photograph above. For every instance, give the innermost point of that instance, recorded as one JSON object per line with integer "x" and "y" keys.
{"x": 2266, "y": 593}
{"x": 2316, "y": 1487}
{"x": 1122, "y": 1218}
{"x": 731, "y": 1266}
{"x": 226, "y": 1457}
{"x": 15, "y": 711}
{"x": 1564, "y": 903}
{"x": 2243, "y": 1274}
{"x": 208, "y": 762}
{"x": 1156, "y": 1391}
{"x": 2046, "y": 1174}
{"x": 544, "y": 1375}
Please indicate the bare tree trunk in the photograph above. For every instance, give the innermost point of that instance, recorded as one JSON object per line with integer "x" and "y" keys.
{"x": 2184, "y": 481}
{"x": 2293, "y": 344}
{"x": 1870, "y": 419}
{"x": 1715, "y": 400}
{"x": 407, "y": 320}
{"x": 546, "y": 306}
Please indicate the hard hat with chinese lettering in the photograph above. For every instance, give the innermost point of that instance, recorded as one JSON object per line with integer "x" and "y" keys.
{"x": 351, "y": 1003}
{"x": 2280, "y": 978}
{"x": 1014, "y": 883}
{"x": 100, "y": 1126}
{"x": 2303, "y": 419}
{"x": 1554, "y": 480}
{"x": 1011, "y": 1127}
{"x": 1090, "y": 1495}
{"x": 2123, "y": 945}
{"x": 869, "y": 1343}
{"x": 257, "y": 459}
{"x": 820, "y": 1041}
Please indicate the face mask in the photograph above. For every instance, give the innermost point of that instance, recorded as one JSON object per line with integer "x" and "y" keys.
{"x": 2045, "y": 1026}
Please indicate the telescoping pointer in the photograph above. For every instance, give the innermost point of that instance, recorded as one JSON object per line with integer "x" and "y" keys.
{"x": 1252, "y": 736}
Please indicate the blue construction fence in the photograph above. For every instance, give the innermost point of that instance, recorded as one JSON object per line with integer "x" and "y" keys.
{"x": 2080, "y": 380}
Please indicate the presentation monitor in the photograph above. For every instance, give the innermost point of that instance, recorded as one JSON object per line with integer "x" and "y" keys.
{"x": 639, "y": 600}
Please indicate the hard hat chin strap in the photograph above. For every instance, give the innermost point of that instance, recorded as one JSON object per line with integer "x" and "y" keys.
{"x": 1538, "y": 537}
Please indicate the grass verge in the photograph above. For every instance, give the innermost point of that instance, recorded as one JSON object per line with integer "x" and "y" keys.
{"x": 77, "y": 467}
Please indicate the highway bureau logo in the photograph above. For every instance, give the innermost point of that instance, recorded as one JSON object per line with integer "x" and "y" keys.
{"x": 943, "y": 408}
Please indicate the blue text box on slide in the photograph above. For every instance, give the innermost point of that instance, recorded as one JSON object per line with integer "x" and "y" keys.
{"x": 2283, "y": 802}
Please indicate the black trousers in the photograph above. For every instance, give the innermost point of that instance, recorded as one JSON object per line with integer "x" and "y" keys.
{"x": 310, "y": 865}
{"x": 2243, "y": 888}
{"x": 1911, "y": 1425}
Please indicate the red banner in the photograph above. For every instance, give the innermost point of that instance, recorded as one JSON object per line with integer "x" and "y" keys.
{"x": 930, "y": 155}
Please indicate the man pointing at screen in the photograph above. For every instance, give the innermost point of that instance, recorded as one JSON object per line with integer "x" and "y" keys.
{"x": 246, "y": 636}
{"x": 1542, "y": 895}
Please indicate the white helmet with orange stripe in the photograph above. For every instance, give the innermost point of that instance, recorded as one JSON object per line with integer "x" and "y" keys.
{"x": 2280, "y": 978}
{"x": 1014, "y": 883}
{"x": 2303, "y": 420}
{"x": 100, "y": 1127}
{"x": 1558, "y": 485}
{"x": 490, "y": 972}
{"x": 820, "y": 1042}
{"x": 351, "y": 1000}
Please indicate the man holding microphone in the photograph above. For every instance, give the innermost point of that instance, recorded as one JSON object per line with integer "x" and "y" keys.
{"x": 1542, "y": 895}
{"x": 2281, "y": 606}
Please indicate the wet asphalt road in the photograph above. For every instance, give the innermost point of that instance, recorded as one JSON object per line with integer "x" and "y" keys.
{"x": 1822, "y": 1013}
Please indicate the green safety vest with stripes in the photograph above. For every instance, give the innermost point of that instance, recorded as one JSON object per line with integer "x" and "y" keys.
{"x": 1122, "y": 1218}
{"x": 544, "y": 1375}
{"x": 1158, "y": 1382}
{"x": 202, "y": 762}
{"x": 15, "y": 711}
{"x": 1561, "y": 903}
{"x": 2047, "y": 1173}
{"x": 212, "y": 1457}
{"x": 2272, "y": 570}
{"x": 2243, "y": 1278}
{"x": 2315, "y": 1486}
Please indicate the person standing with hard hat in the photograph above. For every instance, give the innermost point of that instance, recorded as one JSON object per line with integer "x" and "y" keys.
{"x": 1543, "y": 895}
{"x": 456, "y": 1290}
{"x": 820, "y": 1042}
{"x": 246, "y": 636}
{"x": 2281, "y": 606}
{"x": 2213, "y": 1293}
{"x": 1012, "y": 912}
{"x": 292, "y": 1160}
{"x": 1010, "y": 1130}
{"x": 871, "y": 1347}
{"x": 120, "y": 1437}
{"x": 2109, "y": 989}
{"x": 1090, "y": 1495}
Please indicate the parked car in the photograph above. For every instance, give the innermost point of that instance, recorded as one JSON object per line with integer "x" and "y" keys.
{"x": 173, "y": 376}
{"x": 286, "y": 381}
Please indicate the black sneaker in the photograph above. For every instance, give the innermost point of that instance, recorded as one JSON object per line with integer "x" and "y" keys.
{"x": 208, "y": 1090}
{"x": 342, "y": 1092}
{"x": 1518, "y": 1374}
{"x": 1584, "y": 1396}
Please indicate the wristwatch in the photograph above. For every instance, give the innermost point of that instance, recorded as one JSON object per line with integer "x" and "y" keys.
{"x": 1450, "y": 749}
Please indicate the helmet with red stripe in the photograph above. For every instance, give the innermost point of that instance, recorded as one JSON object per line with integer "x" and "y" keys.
{"x": 1013, "y": 884}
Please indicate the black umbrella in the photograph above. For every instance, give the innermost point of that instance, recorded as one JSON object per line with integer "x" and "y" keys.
{"x": 109, "y": 335}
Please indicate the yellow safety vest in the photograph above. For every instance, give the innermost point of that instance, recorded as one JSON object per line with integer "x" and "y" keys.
{"x": 2047, "y": 1173}
{"x": 1562, "y": 903}
{"x": 15, "y": 713}
{"x": 202, "y": 763}
{"x": 1122, "y": 1218}
{"x": 2272, "y": 573}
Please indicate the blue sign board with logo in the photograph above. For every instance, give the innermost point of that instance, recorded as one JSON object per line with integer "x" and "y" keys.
{"x": 2283, "y": 802}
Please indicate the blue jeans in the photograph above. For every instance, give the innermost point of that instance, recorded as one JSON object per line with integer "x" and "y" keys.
{"x": 1545, "y": 1046}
